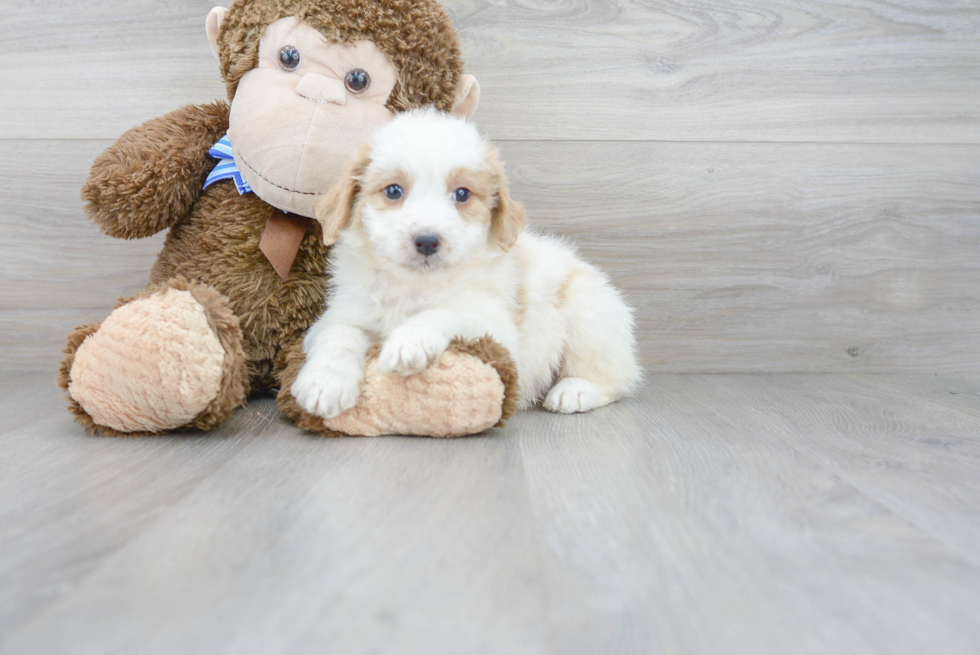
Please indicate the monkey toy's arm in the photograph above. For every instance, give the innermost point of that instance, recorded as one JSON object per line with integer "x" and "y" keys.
{"x": 148, "y": 180}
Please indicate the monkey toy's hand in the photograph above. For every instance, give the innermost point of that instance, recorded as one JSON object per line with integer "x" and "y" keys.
{"x": 148, "y": 180}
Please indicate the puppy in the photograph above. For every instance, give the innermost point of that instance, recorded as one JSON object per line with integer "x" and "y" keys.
{"x": 430, "y": 246}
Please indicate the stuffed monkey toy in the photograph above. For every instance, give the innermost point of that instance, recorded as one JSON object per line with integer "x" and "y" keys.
{"x": 242, "y": 274}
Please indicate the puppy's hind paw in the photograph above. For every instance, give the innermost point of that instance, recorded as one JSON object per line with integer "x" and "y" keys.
{"x": 410, "y": 350}
{"x": 574, "y": 395}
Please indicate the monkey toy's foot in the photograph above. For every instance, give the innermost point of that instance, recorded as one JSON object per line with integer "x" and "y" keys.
{"x": 472, "y": 387}
{"x": 170, "y": 358}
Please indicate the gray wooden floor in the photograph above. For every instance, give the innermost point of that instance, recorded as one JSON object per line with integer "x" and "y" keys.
{"x": 713, "y": 514}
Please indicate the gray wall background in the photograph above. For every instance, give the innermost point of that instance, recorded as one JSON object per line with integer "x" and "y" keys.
{"x": 777, "y": 186}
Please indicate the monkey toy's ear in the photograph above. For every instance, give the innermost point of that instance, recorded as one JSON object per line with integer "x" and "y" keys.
{"x": 213, "y": 27}
{"x": 467, "y": 97}
{"x": 334, "y": 209}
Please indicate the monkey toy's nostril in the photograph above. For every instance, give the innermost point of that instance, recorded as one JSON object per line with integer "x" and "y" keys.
{"x": 427, "y": 244}
{"x": 323, "y": 89}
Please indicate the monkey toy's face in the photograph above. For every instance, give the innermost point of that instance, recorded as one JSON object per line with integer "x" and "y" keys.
{"x": 297, "y": 117}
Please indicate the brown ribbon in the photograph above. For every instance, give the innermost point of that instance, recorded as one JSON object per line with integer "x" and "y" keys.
{"x": 281, "y": 239}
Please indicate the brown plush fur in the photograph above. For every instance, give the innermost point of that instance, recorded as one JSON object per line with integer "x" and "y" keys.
{"x": 224, "y": 324}
{"x": 152, "y": 179}
{"x": 416, "y": 35}
{"x": 490, "y": 352}
{"x": 486, "y": 350}
{"x": 218, "y": 244}
{"x": 75, "y": 340}
{"x": 214, "y": 234}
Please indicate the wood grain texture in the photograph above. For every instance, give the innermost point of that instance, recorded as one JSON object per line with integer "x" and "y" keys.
{"x": 738, "y": 257}
{"x": 51, "y": 255}
{"x": 892, "y": 445}
{"x": 959, "y": 392}
{"x": 118, "y": 488}
{"x": 331, "y": 527}
{"x": 865, "y": 71}
{"x": 735, "y": 514}
{"x": 681, "y": 524}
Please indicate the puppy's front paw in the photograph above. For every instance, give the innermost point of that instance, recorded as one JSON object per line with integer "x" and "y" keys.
{"x": 410, "y": 350}
{"x": 573, "y": 395}
{"x": 327, "y": 390}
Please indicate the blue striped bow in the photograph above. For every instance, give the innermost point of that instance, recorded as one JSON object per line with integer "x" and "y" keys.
{"x": 226, "y": 168}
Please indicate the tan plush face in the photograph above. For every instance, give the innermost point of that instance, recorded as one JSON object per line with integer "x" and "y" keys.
{"x": 298, "y": 117}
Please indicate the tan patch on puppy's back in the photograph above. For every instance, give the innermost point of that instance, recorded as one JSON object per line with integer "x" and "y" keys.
{"x": 521, "y": 308}
{"x": 566, "y": 285}
{"x": 521, "y": 300}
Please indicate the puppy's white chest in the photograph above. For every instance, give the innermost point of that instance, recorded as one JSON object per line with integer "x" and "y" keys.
{"x": 394, "y": 302}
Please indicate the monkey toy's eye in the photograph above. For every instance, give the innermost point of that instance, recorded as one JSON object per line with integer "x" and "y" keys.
{"x": 357, "y": 81}
{"x": 461, "y": 195}
{"x": 289, "y": 58}
{"x": 394, "y": 192}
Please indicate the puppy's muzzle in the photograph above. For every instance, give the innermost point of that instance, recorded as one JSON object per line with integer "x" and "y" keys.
{"x": 427, "y": 244}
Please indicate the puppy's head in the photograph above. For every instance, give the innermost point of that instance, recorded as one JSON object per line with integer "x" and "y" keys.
{"x": 427, "y": 192}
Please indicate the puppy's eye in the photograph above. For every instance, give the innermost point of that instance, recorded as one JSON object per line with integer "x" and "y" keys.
{"x": 289, "y": 58}
{"x": 394, "y": 192}
{"x": 461, "y": 195}
{"x": 357, "y": 81}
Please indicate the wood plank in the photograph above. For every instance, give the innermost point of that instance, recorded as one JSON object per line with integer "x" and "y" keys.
{"x": 677, "y": 523}
{"x": 865, "y": 71}
{"x": 386, "y": 545}
{"x": 69, "y": 500}
{"x": 735, "y": 514}
{"x": 960, "y": 392}
{"x": 53, "y": 257}
{"x": 916, "y": 457}
{"x": 739, "y": 257}
{"x": 32, "y": 340}
{"x": 97, "y": 69}
{"x": 776, "y": 258}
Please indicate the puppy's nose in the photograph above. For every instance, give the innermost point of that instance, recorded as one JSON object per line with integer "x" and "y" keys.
{"x": 426, "y": 244}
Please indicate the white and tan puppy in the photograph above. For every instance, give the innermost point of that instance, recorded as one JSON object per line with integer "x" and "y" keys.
{"x": 430, "y": 246}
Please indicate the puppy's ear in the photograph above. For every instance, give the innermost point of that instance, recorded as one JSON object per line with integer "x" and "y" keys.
{"x": 508, "y": 218}
{"x": 334, "y": 209}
